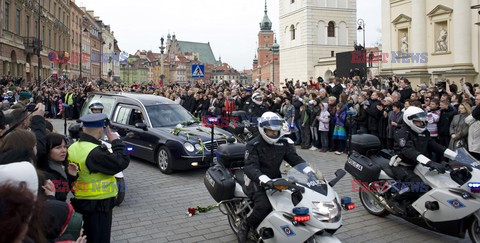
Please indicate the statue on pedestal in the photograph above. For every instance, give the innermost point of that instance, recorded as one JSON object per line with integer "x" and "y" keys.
{"x": 442, "y": 44}
{"x": 404, "y": 41}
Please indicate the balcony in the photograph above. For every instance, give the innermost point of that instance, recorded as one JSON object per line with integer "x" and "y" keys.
{"x": 32, "y": 45}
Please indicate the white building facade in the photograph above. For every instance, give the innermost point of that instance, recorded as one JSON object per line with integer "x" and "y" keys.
{"x": 311, "y": 30}
{"x": 430, "y": 39}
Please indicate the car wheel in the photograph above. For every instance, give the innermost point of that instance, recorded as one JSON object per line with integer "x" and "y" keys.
{"x": 164, "y": 160}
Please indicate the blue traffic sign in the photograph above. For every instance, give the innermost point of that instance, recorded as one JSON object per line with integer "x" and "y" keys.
{"x": 198, "y": 71}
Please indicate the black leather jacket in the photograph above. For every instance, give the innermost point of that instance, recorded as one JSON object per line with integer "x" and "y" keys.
{"x": 262, "y": 158}
{"x": 409, "y": 145}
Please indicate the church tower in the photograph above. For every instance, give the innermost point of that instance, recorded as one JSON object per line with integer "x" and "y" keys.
{"x": 314, "y": 29}
{"x": 265, "y": 39}
{"x": 266, "y": 63}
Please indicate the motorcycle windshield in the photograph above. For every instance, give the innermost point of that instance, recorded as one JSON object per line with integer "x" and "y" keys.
{"x": 465, "y": 158}
{"x": 314, "y": 182}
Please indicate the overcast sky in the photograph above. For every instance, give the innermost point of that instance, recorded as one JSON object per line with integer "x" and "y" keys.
{"x": 231, "y": 26}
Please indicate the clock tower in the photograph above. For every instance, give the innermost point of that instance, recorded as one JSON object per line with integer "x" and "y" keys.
{"x": 267, "y": 63}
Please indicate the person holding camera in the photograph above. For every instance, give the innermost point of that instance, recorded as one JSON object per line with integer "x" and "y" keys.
{"x": 97, "y": 166}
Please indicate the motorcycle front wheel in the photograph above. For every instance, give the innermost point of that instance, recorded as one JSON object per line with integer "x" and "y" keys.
{"x": 474, "y": 230}
{"x": 371, "y": 205}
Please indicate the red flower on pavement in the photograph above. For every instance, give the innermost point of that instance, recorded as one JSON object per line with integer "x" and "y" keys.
{"x": 191, "y": 211}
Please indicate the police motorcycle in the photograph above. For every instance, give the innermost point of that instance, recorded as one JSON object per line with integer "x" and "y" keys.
{"x": 238, "y": 126}
{"x": 305, "y": 207}
{"x": 450, "y": 204}
{"x": 74, "y": 134}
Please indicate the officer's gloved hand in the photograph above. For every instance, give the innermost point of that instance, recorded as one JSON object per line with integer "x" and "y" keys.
{"x": 268, "y": 184}
{"x": 311, "y": 176}
{"x": 437, "y": 166}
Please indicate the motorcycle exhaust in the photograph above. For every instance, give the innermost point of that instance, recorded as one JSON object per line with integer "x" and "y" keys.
{"x": 379, "y": 200}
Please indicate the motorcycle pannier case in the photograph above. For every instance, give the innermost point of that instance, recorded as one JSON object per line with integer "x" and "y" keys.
{"x": 231, "y": 155}
{"x": 220, "y": 183}
{"x": 362, "y": 168}
{"x": 364, "y": 143}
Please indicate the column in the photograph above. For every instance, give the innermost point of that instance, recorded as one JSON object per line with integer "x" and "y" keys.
{"x": 462, "y": 32}
{"x": 418, "y": 34}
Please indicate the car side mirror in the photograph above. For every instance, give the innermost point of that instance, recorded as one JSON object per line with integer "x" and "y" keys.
{"x": 142, "y": 126}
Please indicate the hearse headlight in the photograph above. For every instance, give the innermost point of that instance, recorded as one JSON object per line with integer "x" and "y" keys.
{"x": 198, "y": 146}
{"x": 189, "y": 147}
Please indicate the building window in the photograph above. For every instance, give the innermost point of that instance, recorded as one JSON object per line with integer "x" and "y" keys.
{"x": 292, "y": 1}
{"x": 331, "y": 29}
{"x": 50, "y": 38}
{"x": 55, "y": 41}
{"x": 292, "y": 32}
{"x": 28, "y": 26}
{"x": 17, "y": 22}
{"x": 332, "y": 53}
{"x": 7, "y": 16}
{"x": 55, "y": 9}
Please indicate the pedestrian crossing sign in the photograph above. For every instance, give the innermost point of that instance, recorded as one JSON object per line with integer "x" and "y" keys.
{"x": 198, "y": 71}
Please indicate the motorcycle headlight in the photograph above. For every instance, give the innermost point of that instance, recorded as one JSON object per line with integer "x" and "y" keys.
{"x": 189, "y": 147}
{"x": 198, "y": 146}
{"x": 327, "y": 211}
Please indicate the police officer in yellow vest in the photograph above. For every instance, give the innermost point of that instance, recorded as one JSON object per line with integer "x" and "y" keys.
{"x": 69, "y": 100}
{"x": 96, "y": 188}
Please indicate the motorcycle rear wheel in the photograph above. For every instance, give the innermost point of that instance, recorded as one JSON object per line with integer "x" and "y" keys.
{"x": 474, "y": 230}
{"x": 372, "y": 206}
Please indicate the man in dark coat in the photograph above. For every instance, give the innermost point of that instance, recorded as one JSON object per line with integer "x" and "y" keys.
{"x": 374, "y": 111}
{"x": 189, "y": 103}
{"x": 446, "y": 116}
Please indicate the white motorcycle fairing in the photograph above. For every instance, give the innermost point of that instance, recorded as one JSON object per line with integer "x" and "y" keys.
{"x": 285, "y": 231}
{"x": 452, "y": 205}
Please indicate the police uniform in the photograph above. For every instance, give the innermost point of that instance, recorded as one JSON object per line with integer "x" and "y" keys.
{"x": 255, "y": 111}
{"x": 265, "y": 159}
{"x": 95, "y": 189}
{"x": 408, "y": 146}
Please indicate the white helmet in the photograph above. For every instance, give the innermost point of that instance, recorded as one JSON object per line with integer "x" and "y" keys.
{"x": 413, "y": 114}
{"x": 257, "y": 98}
{"x": 96, "y": 105}
{"x": 272, "y": 121}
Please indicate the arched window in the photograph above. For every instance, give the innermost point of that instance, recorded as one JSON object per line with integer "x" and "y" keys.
{"x": 292, "y": 32}
{"x": 331, "y": 29}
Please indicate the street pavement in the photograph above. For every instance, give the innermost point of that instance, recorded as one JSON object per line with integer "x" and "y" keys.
{"x": 155, "y": 208}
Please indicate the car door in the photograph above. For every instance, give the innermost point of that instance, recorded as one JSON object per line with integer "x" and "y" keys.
{"x": 125, "y": 118}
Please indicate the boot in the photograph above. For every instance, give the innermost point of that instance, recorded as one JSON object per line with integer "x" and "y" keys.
{"x": 242, "y": 232}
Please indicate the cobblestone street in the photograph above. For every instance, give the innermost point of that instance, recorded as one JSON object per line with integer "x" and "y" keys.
{"x": 155, "y": 208}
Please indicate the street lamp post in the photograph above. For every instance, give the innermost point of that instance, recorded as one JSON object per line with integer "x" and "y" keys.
{"x": 361, "y": 26}
{"x": 162, "y": 50}
{"x": 39, "y": 45}
{"x": 101, "y": 53}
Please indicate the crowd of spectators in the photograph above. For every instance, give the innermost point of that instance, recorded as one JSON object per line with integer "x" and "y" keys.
{"x": 321, "y": 114}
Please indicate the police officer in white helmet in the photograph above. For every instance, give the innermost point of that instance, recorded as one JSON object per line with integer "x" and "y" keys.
{"x": 263, "y": 158}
